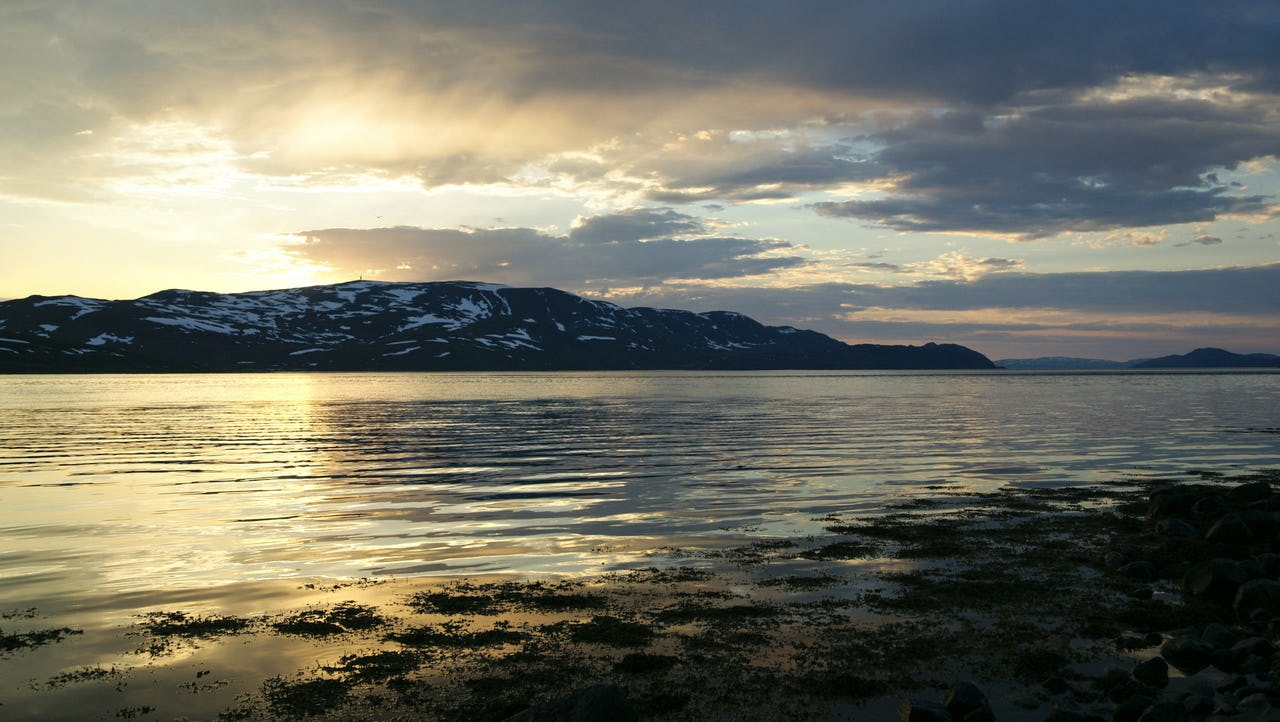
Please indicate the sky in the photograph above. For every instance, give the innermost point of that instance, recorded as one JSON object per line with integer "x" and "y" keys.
{"x": 1026, "y": 178}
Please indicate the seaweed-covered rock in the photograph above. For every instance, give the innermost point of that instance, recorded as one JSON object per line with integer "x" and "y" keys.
{"x": 1216, "y": 580}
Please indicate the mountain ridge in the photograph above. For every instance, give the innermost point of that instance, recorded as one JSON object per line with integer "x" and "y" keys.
{"x": 429, "y": 326}
{"x": 1205, "y": 357}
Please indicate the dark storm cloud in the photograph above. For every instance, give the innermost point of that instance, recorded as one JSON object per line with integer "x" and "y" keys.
{"x": 522, "y": 256}
{"x": 974, "y": 51}
{"x": 1070, "y": 165}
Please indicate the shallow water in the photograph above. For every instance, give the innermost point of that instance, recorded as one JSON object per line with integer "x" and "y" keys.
{"x": 120, "y": 490}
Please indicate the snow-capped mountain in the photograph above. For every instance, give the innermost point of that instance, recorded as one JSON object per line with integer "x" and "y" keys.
{"x": 369, "y": 325}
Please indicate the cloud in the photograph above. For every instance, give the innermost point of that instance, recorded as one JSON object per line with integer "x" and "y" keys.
{"x": 1203, "y": 240}
{"x": 960, "y": 266}
{"x": 633, "y": 225}
{"x": 1127, "y": 157}
{"x": 612, "y": 250}
{"x": 976, "y": 115}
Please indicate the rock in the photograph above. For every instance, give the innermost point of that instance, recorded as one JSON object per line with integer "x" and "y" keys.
{"x": 1246, "y": 493}
{"x": 1154, "y": 672}
{"x": 1244, "y": 527}
{"x": 962, "y": 699}
{"x": 1255, "y": 664}
{"x": 1263, "y": 524}
{"x": 1060, "y": 714}
{"x": 1197, "y": 704}
{"x": 1173, "y": 501}
{"x": 598, "y": 702}
{"x": 1255, "y": 702}
{"x": 1210, "y": 506}
{"x": 1055, "y": 685}
{"x": 1165, "y": 712}
{"x": 1141, "y": 571}
{"x": 1232, "y": 684}
{"x": 1230, "y": 529}
{"x": 920, "y": 711}
{"x": 1219, "y": 636}
{"x": 1188, "y": 654}
{"x": 1253, "y": 645}
{"x": 1225, "y": 707}
{"x": 1215, "y": 580}
{"x": 1131, "y": 709}
{"x": 1114, "y": 560}
{"x": 1175, "y": 527}
{"x": 1257, "y": 595}
{"x": 1269, "y": 564}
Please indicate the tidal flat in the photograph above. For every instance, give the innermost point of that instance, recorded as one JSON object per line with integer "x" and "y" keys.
{"x": 1047, "y": 599}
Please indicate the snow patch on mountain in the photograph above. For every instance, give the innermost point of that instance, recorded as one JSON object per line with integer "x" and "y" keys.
{"x": 103, "y": 339}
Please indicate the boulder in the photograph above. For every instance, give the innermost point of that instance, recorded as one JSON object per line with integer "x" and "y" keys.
{"x": 1167, "y": 711}
{"x": 1244, "y": 527}
{"x": 1219, "y": 636}
{"x": 963, "y": 699}
{"x": 1210, "y": 506}
{"x": 1154, "y": 672}
{"x": 1178, "y": 528}
{"x": 1216, "y": 580}
{"x": 1230, "y": 529}
{"x": 1173, "y": 501}
{"x": 1258, "y": 597}
{"x": 1131, "y": 709}
{"x": 1247, "y": 493}
{"x": 1060, "y": 714}
{"x": 1253, "y": 645}
{"x": 1188, "y": 654}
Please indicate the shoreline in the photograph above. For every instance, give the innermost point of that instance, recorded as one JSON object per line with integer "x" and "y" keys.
{"x": 1045, "y": 599}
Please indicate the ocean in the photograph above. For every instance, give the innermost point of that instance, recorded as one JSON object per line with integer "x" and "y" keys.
{"x": 116, "y": 486}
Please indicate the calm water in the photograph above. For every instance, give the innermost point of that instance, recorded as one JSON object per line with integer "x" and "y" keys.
{"x": 114, "y": 487}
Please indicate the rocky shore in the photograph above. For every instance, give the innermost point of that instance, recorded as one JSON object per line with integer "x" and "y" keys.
{"x": 1142, "y": 599}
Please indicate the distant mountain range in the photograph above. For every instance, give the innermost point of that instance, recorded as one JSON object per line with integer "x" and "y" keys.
{"x": 1200, "y": 358}
{"x": 447, "y": 326}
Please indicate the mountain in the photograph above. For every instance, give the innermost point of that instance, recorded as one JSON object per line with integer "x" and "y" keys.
{"x": 1211, "y": 358}
{"x": 1200, "y": 358}
{"x": 1059, "y": 363}
{"x": 446, "y": 326}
